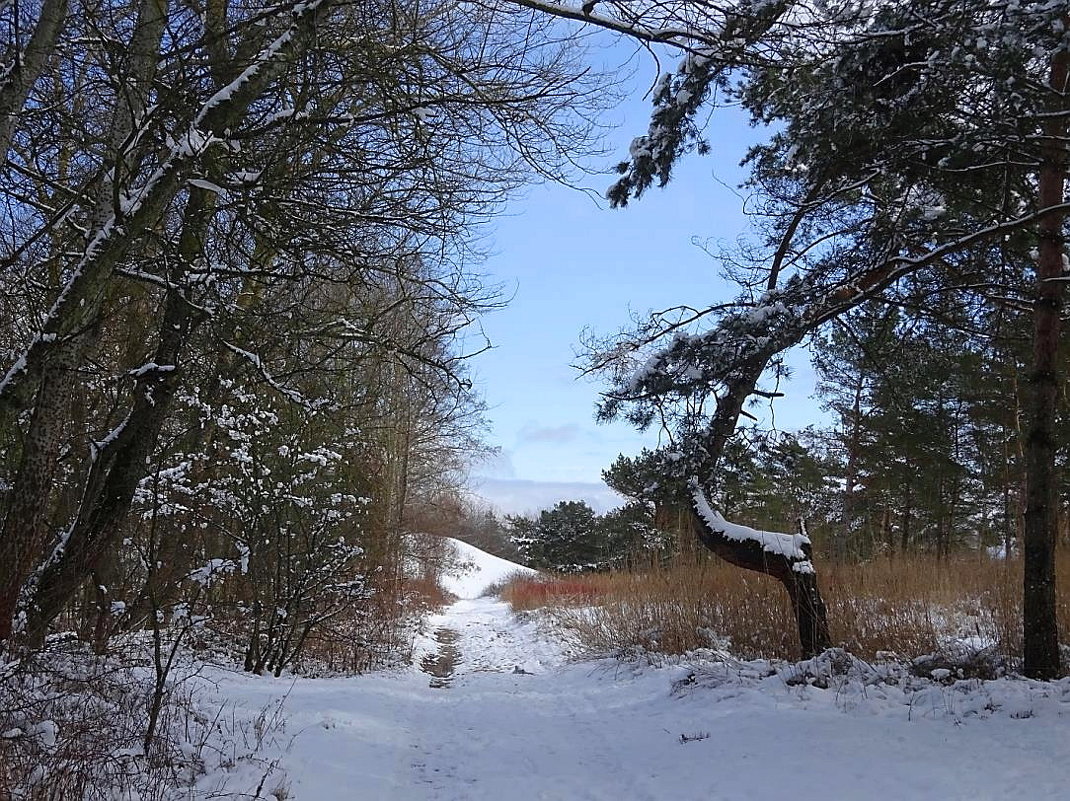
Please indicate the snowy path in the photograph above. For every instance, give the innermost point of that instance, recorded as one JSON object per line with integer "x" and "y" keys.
{"x": 566, "y": 732}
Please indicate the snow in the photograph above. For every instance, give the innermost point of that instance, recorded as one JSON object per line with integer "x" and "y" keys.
{"x": 632, "y": 730}
{"x": 478, "y": 570}
{"x": 790, "y": 546}
{"x": 45, "y": 731}
{"x": 214, "y": 568}
{"x": 151, "y": 367}
{"x": 207, "y": 185}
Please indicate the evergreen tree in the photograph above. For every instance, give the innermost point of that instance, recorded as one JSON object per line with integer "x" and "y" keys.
{"x": 567, "y": 538}
{"x": 927, "y": 136}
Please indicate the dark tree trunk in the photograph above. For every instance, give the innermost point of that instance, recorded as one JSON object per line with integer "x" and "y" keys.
{"x": 120, "y": 463}
{"x": 797, "y": 576}
{"x": 887, "y": 534}
{"x": 60, "y": 354}
{"x": 811, "y": 615}
{"x": 801, "y": 585}
{"x": 25, "y": 532}
{"x": 1040, "y": 633}
{"x": 109, "y": 490}
{"x": 904, "y": 528}
{"x": 851, "y": 474}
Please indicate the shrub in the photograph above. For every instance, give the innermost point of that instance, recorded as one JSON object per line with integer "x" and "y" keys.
{"x": 908, "y": 605}
{"x": 74, "y": 725}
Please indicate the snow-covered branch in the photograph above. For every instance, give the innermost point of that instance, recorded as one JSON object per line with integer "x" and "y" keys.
{"x": 140, "y": 206}
{"x": 793, "y": 547}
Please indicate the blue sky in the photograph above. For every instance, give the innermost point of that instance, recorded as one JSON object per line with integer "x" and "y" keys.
{"x": 572, "y": 263}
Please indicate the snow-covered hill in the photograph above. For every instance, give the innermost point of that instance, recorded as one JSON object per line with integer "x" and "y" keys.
{"x": 477, "y": 571}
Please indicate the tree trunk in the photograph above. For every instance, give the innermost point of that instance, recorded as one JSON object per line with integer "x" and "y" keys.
{"x": 25, "y": 532}
{"x": 796, "y": 574}
{"x": 1040, "y": 633}
{"x": 27, "y": 67}
{"x": 904, "y": 528}
{"x": 120, "y": 463}
{"x": 1010, "y": 506}
{"x": 851, "y": 474}
{"x": 799, "y": 580}
{"x": 26, "y": 526}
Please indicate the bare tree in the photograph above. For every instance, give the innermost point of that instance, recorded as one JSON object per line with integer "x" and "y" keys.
{"x": 239, "y": 168}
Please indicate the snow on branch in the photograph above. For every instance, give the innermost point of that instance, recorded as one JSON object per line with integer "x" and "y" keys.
{"x": 288, "y": 392}
{"x": 212, "y": 570}
{"x": 779, "y": 319}
{"x": 141, "y": 205}
{"x": 683, "y": 35}
{"x": 793, "y": 547}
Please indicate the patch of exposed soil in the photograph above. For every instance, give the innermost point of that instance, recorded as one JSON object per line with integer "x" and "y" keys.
{"x": 441, "y": 665}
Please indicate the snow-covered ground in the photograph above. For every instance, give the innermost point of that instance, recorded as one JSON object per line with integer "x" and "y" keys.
{"x": 510, "y": 716}
{"x": 478, "y": 570}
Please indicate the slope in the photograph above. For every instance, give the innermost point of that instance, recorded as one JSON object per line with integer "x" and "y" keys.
{"x": 477, "y": 570}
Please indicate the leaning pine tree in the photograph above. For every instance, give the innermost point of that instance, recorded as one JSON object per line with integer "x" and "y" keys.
{"x": 921, "y": 141}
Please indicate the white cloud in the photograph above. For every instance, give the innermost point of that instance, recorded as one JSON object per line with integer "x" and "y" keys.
{"x": 520, "y": 496}
{"x": 564, "y": 434}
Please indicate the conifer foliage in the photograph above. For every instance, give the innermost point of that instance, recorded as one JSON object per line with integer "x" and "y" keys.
{"x": 921, "y": 141}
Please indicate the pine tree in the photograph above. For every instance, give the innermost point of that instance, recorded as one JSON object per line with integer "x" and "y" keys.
{"x": 928, "y": 135}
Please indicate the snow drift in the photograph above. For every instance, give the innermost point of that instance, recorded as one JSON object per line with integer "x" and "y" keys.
{"x": 477, "y": 570}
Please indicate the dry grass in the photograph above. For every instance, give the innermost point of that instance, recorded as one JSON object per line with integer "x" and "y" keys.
{"x": 911, "y": 605}
{"x": 526, "y": 592}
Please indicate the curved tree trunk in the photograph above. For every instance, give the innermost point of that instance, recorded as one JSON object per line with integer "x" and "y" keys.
{"x": 785, "y": 557}
{"x": 743, "y": 547}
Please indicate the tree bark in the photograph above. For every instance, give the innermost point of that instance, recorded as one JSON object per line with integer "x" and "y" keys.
{"x": 799, "y": 580}
{"x": 25, "y": 531}
{"x": 1039, "y": 620}
{"x": 802, "y": 587}
{"x": 26, "y": 67}
{"x": 851, "y": 473}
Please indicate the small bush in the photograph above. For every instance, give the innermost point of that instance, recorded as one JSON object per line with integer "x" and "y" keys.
{"x": 376, "y": 634}
{"x": 73, "y": 725}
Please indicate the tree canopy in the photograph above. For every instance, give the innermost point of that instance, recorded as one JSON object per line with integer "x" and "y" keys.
{"x": 917, "y": 153}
